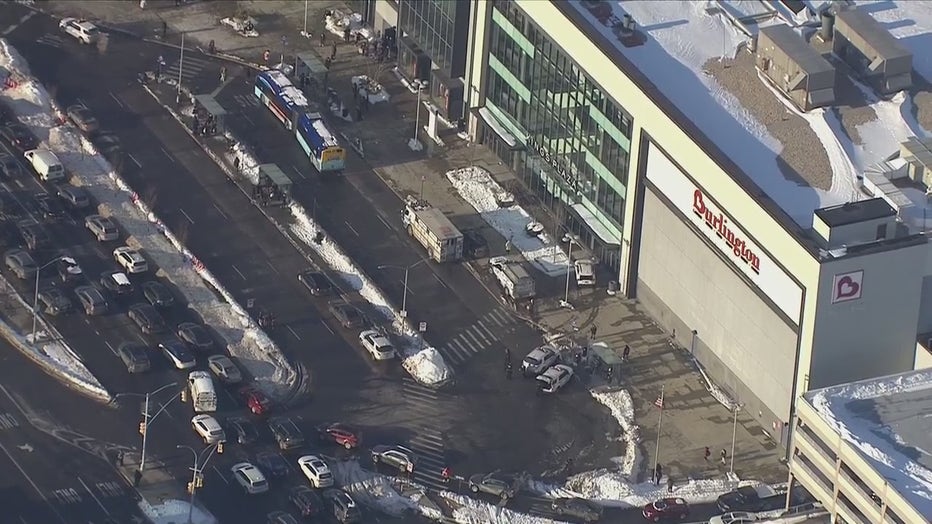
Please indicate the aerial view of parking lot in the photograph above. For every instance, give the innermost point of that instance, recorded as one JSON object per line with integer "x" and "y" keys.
{"x": 477, "y": 262}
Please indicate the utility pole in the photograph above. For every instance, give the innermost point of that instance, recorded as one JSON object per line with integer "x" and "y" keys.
{"x": 734, "y": 434}
{"x": 659, "y": 404}
{"x": 180, "y": 69}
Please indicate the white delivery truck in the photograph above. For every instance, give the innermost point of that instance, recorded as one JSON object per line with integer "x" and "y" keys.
{"x": 444, "y": 242}
{"x": 516, "y": 283}
{"x": 203, "y": 395}
{"x": 45, "y": 164}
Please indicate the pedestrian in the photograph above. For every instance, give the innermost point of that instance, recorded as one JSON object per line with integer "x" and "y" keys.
{"x": 266, "y": 55}
{"x": 355, "y": 92}
{"x": 323, "y": 39}
{"x": 164, "y": 29}
{"x": 333, "y": 52}
{"x": 177, "y": 3}
{"x": 508, "y": 246}
{"x": 223, "y": 74}
{"x": 358, "y": 113}
{"x": 593, "y": 330}
{"x": 625, "y": 353}
{"x": 446, "y": 474}
{"x": 609, "y": 374}
{"x": 507, "y": 356}
{"x": 346, "y": 33}
{"x": 120, "y": 458}
{"x": 724, "y": 455}
{"x": 508, "y": 370}
{"x": 212, "y": 47}
{"x": 142, "y": 4}
{"x": 707, "y": 453}
{"x": 669, "y": 484}
{"x": 137, "y": 475}
{"x": 658, "y": 474}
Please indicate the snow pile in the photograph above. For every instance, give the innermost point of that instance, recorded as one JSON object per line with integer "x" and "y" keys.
{"x": 850, "y": 411}
{"x": 717, "y": 393}
{"x": 338, "y": 21}
{"x": 479, "y": 189}
{"x": 245, "y": 341}
{"x": 373, "y": 89}
{"x": 471, "y": 511}
{"x": 174, "y": 511}
{"x": 618, "y": 401}
{"x": 241, "y": 156}
{"x": 425, "y": 365}
{"x": 610, "y": 489}
{"x": 376, "y": 491}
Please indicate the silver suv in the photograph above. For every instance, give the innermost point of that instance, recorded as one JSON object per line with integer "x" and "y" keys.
{"x": 102, "y": 227}
{"x": 21, "y": 263}
{"x": 539, "y": 360}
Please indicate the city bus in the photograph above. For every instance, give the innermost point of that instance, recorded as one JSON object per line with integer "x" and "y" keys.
{"x": 319, "y": 143}
{"x": 284, "y": 100}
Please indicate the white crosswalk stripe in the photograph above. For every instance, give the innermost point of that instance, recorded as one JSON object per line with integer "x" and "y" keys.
{"x": 110, "y": 489}
{"x": 500, "y": 317}
{"x": 67, "y": 496}
{"x": 246, "y": 100}
{"x": 428, "y": 445}
{"x": 189, "y": 69}
{"x": 51, "y": 40}
{"x": 8, "y": 421}
{"x": 477, "y": 337}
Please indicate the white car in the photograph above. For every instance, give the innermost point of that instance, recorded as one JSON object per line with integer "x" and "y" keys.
{"x": 539, "y": 359}
{"x": 554, "y": 378}
{"x": 377, "y": 345}
{"x": 735, "y": 517}
{"x": 585, "y": 274}
{"x": 209, "y": 429}
{"x": 316, "y": 470}
{"x": 84, "y": 31}
{"x": 130, "y": 260}
{"x": 250, "y": 478}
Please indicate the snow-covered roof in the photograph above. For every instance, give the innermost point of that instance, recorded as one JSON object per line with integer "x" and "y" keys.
{"x": 888, "y": 420}
{"x": 695, "y": 56}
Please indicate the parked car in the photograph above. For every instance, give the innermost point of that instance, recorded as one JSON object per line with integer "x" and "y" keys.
{"x": 585, "y": 272}
{"x": 224, "y": 369}
{"x": 398, "y": 456}
{"x": 255, "y": 400}
{"x": 33, "y": 234}
{"x": 8, "y": 167}
{"x": 74, "y": 197}
{"x": 316, "y": 470}
{"x": 539, "y": 360}
{"x": 494, "y": 484}
{"x": 273, "y": 464}
{"x": 54, "y": 301}
{"x": 130, "y": 260}
{"x": 178, "y": 354}
{"x": 735, "y": 517}
{"x": 305, "y": 500}
{"x": 208, "y": 429}
{"x": 157, "y": 294}
{"x": 135, "y": 356}
{"x": 147, "y": 318}
{"x": 19, "y": 136}
{"x": 286, "y": 433}
{"x": 116, "y": 282}
{"x": 92, "y": 300}
{"x": 280, "y": 517}
{"x": 581, "y": 509}
{"x": 21, "y": 263}
{"x": 68, "y": 269}
{"x": 342, "y": 506}
{"x": 553, "y": 379}
{"x": 377, "y": 345}
{"x": 347, "y": 314}
{"x": 745, "y": 498}
{"x": 250, "y": 478}
{"x": 109, "y": 146}
{"x": 195, "y": 335}
{"x": 339, "y": 434}
{"x": 83, "y": 119}
{"x": 673, "y": 508}
{"x": 316, "y": 283}
{"x": 243, "y": 430}
{"x": 474, "y": 244}
{"x": 103, "y": 228}
{"x": 82, "y": 30}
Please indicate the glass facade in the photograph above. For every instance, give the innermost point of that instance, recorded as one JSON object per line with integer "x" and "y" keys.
{"x": 439, "y": 27}
{"x": 576, "y": 138}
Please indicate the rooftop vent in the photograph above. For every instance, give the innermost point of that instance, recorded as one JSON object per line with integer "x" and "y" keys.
{"x": 917, "y": 152}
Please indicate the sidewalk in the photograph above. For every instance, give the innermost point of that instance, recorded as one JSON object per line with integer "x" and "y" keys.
{"x": 164, "y": 498}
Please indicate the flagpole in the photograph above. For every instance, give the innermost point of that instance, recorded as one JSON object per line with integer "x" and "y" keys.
{"x": 659, "y": 425}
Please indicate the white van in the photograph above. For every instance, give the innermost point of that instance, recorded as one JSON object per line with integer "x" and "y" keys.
{"x": 45, "y": 164}
{"x": 203, "y": 395}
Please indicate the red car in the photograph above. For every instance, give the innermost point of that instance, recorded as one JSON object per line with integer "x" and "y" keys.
{"x": 257, "y": 402}
{"x": 340, "y": 434}
{"x": 666, "y": 509}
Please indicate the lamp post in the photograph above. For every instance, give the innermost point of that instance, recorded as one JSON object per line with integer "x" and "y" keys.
{"x": 406, "y": 269}
{"x": 734, "y": 434}
{"x": 304, "y": 33}
{"x": 146, "y": 419}
{"x": 35, "y": 298}
{"x": 419, "y": 84}
{"x": 571, "y": 239}
{"x": 197, "y": 471}
{"x": 180, "y": 68}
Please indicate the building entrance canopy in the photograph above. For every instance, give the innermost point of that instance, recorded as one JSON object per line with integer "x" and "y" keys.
{"x": 497, "y": 126}
{"x": 604, "y": 233}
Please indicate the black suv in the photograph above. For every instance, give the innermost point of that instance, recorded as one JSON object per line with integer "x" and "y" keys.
{"x": 474, "y": 244}
{"x": 49, "y": 206}
{"x": 317, "y": 283}
{"x": 244, "y": 430}
{"x": 19, "y": 136}
{"x": 33, "y": 234}
{"x": 306, "y": 501}
{"x": 343, "y": 506}
{"x": 347, "y": 314}
{"x": 286, "y": 433}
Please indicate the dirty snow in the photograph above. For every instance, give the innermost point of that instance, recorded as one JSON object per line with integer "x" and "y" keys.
{"x": 425, "y": 365}
{"x": 245, "y": 341}
{"x": 472, "y": 511}
{"x": 479, "y": 189}
{"x": 881, "y": 444}
{"x": 378, "y": 491}
{"x": 618, "y": 402}
{"x": 174, "y": 511}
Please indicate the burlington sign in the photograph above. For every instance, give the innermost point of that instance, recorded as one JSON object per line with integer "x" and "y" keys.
{"x": 724, "y": 233}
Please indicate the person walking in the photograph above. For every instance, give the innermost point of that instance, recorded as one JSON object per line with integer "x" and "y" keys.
{"x": 223, "y": 74}
{"x": 658, "y": 474}
{"x": 137, "y": 478}
{"x": 333, "y": 51}
{"x": 724, "y": 455}
{"x": 625, "y": 353}
{"x": 446, "y": 474}
{"x": 669, "y": 484}
{"x": 119, "y": 458}
{"x": 323, "y": 39}
{"x": 142, "y": 4}
{"x": 707, "y": 454}
{"x": 508, "y": 370}
{"x": 164, "y": 29}
{"x": 593, "y": 330}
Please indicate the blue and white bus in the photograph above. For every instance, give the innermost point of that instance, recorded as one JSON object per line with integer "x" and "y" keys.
{"x": 284, "y": 100}
{"x": 319, "y": 143}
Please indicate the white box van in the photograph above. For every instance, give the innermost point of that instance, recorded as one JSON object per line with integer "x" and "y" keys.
{"x": 45, "y": 164}
{"x": 203, "y": 395}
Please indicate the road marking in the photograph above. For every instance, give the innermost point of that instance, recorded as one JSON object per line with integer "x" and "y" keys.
{"x": 298, "y": 171}
{"x": 131, "y": 157}
{"x": 474, "y": 329}
{"x": 114, "y": 97}
{"x": 30, "y": 481}
{"x": 8, "y": 421}
{"x": 351, "y": 228}
{"x": 327, "y": 326}
{"x": 5, "y": 187}
{"x": 22, "y": 20}
{"x": 238, "y": 272}
{"x": 19, "y": 183}
{"x": 186, "y": 215}
{"x": 411, "y": 293}
{"x": 224, "y": 215}
{"x": 111, "y": 489}
{"x": 293, "y": 333}
{"x": 467, "y": 335}
{"x": 269, "y": 263}
{"x": 97, "y": 500}
{"x": 253, "y": 124}
{"x": 107, "y": 342}
{"x": 169, "y": 155}
{"x": 221, "y": 475}
{"x": 442, "y": 283}
{"x": 382, "y": 220}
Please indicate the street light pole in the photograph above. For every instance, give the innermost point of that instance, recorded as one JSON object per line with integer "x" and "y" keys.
{"x": 734, "y": 434}
{"x": 180, "y": 69}
{"x": 569, "y": 260}
{"x": 197, "y": 470}
{"x": 35, "y": 298}
{"x": 406, "y": 269}
{"x": 417, "y": 110}
{"x": 147, "y": 420}
{"x": 304, "y": 33}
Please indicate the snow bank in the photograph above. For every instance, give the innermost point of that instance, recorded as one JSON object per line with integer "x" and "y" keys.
{"x": 425, "y": 365}
{"x": 471, "y": 511}
{"x": 377, "y": 491}
{"x": 338, "y": 21}
{"x": 610, "y": 489}
{"x": 174, "y": 511}
{"x": 479, "y": 189}
{"x": 618, "y": 401}
{"x": 245, "y": 341}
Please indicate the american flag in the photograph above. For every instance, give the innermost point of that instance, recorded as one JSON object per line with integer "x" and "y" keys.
{"x": 659, "y": 401}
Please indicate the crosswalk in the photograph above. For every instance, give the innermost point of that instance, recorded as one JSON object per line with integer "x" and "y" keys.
{"x": 51, "y": 40}
{"x": 246, "y": 100}
{"x": 477, "y": 337}
{"x": 8, "y": 421}
{"x": 428, "y": 445}
{"x": 190, "y": 69}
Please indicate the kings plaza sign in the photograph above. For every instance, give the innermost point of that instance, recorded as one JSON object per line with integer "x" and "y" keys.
{"x": 717, "y": 221}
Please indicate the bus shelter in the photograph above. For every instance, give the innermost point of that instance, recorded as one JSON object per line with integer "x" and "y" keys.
{"x": 603, "y": 358}
{"x": 274, "y": 187}
{"x": 310, "y": 71}
{"x": 209, "y": 116}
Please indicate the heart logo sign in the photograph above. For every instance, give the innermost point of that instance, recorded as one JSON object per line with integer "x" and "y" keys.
{"x": 847, "y": 286}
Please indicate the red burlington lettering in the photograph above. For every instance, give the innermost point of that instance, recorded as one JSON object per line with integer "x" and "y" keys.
{"x": 718, "y": 222}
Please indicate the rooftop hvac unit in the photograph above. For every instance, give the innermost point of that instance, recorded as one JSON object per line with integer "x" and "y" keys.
{"x": 796, "y": 82}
